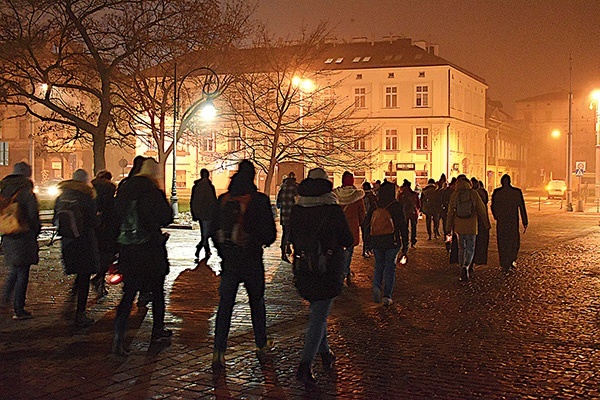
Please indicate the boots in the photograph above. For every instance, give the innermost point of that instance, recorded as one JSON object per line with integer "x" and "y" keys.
{"x": 305, "y": 374}
{"x": 118, "y": 347}
{"x": 82, "y": 320}
{"x": 328, "y": 360}
{"x": 284, "y": 256}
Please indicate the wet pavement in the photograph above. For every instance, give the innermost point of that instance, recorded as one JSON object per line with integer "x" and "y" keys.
{"x": 532, "y": 334}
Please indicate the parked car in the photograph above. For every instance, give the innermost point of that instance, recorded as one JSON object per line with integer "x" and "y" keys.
{"x": 556, "y": 189}
{"x": 47, "y": 190}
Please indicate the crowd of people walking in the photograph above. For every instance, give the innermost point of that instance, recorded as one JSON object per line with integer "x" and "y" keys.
{"x": 102, "y": 225}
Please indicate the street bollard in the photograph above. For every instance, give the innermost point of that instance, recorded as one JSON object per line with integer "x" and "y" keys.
{"x": 539, "y": 203}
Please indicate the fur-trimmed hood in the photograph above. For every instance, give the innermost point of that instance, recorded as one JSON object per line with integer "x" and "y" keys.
{"x": 348, "y": 194}
{"x": 78, "y": 187}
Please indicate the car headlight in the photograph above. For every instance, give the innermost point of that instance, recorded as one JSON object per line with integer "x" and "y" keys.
{"x": 53, "y": 191}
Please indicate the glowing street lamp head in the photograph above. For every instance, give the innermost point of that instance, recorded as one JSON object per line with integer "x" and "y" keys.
{"x": 208, "y": 112}
{"x": 304, "y": 84}
{"x": 595, "y": 96}
{"x": 555, "y": 133}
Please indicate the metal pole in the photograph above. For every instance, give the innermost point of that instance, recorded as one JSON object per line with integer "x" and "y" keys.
{"x": 174, "y": 198}
{"x": 597, "y": 152}
{"x": 570, "y": 142}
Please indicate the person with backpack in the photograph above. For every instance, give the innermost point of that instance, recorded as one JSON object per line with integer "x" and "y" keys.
{"x": 482, "y": 239}
{"x": 507, "y": 205}
{"x": 107, "y": 230}
{"x": 370, "y": 201}
{"x": 204, "y": 198}
{"x": 319, "y": 232}
{"x": 431, "y": 202}
{"x": 351, "y": 200}
{"x": 389, "y": 233}
{"x": 412, "y": 205}
{"x": 243, "y": 225}
{"x": 286, "y": 198}
{"x": 75, "y": 217}
{"x": 21, "y": 248}
{"x": 142, "y": 210}
{"x": 464, "y": 210}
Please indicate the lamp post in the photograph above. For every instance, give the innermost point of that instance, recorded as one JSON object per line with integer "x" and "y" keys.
{"x": 595, "y": 103}
{"x": 304, "y": 85}
{"x": 210, "y": 88}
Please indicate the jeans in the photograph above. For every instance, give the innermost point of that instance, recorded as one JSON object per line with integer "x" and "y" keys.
{"x": 347, "y": 259}
{"x": 17, "y": 280}
{"x": 204, "y": 229}
{"x": 412, "y": 222}
{"x": 466, "y": 249}
{"x": 385, "y": 270}
{"x": 254, "y": 282}
{"x": 130, "y": 288}
{"x": 285, "y": 239}
{"x": 316, "y": 333}
{"x": 435, "y": 220}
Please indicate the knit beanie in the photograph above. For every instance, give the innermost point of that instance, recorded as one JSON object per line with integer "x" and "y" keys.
{"x": 23, "y": 169}
{"x": 80, "y": 175}
{"x": 318, "y": 173}
{"x": 347, "y": 179}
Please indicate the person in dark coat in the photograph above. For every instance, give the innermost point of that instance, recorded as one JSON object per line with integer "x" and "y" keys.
{"x": 482, "y": 239}
{"x": 20, "y": 249}
{"x": 450, "y": 237}
{"x": 387, "y": 247}
{"x": 80, "y": 254}
{"x": 243, "y": 263}
{"x": 431, "y": 207}
{"x": 507, "y": 204}
{"x": 370, "y": 201}
{"x": 204, "y": 198}
{"x": 286, "y": 198}
{"x": 144, "y": 266}
{"x": 108, "y": 228}
{"x": 412, "y": 206}
{"x": 317, "y": 217}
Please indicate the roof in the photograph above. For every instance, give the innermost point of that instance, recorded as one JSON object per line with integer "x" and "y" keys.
{"x": 562, "y": 95}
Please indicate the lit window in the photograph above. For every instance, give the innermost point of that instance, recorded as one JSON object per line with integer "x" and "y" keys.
{"x": 366, "y": 59}
{"x": 391, "y": 139}
{"x": 391, "y": 97}
{"x": 329, "y": 61}
{"x": 360, "y": 97}
{"x": 421, "y": 138}
{"x": 3, "y": 153}
{"x": 339, "y": 60}
{"x": 422, "y": 96}
{"x": 356, "y": 59}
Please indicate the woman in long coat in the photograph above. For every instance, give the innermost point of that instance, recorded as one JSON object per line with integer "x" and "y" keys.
{"x": 482, "y": 239}
{"x": 317, "y": 218}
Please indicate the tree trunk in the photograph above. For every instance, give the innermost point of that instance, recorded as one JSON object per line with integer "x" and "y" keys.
{"x": 162, "y": 164}
{"x": 269, "y": 178}
{"x": 99, "y": 147}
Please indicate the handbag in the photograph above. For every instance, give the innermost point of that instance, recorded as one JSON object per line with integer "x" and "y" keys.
{"x": 113, "y": 276}
{"x": 9, "y": 216}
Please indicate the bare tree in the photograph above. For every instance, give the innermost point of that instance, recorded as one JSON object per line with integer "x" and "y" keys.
{"x": 72, "y": 58}
{"x": 283, "y": 108}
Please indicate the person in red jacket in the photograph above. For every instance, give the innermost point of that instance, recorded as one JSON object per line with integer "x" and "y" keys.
{"x": 351, "y": 200}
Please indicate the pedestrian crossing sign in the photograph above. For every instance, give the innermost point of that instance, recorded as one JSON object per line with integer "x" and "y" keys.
{"x": 579, "y": 168}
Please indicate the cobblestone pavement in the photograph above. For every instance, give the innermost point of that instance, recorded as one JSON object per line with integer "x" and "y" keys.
{"x": 532, "y": 334}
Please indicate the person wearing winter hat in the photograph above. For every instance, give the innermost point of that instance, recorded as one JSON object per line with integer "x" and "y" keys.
{"x": 20, "y": 249}
{"x": 75, "y": 216}
{"x": 286, "y": 198}
{"x": 412, "y": 207}
{"x": 351, "y": 200}
{"x": 317, "y": 218}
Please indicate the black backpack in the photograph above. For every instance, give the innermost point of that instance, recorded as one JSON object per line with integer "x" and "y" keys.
{"x": 231, "y": 229}
{"x": 68, "y": 217}
{"x": 464, "y": 204}
{"x": 131, "y": 231}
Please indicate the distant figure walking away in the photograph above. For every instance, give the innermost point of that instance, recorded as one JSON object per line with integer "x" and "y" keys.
{"x": 507, "y": 204}
{"x": 412, "y": 205}
{"x": 243, "y": 225}
{"x": 108, "y": 228}
{"x": 75, "y": 216}
{"x": 386, "y": 246}
{"x": 142, "y": 209}
{"x": 482, "y": 239}
{"x": 20, "y": 249}
{"x": 370, "y": 201}
{"x": 431, "y": 207}
{"x": 286, "y": 198}
{"x": 464, "y": 210}
{"x": 319, "y": 233}
{"x": 350, "y": 199}
{"x": 203, "y": 201}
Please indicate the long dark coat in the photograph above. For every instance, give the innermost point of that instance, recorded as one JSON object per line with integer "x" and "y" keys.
{"x": 21, "y": 249}
{"x": 139, "y": 262}
{"x": 204, "y": 199}
{"x": 108, "y": 228}
{"x": 507, "y": 204}
{"x": 483, "y": 235}
{"x": 80, "y": 255}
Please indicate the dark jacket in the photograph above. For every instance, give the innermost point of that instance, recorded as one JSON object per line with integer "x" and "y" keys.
{"x": 466, "y": 226}
{"x": 204, "y": 198}
{"x": 410, "y": 201}
{"x": 431, "y": 200}
{"x": 327, "y": 222}
{"x": 286, "y": 198}
{"x": 154, "y": 211}
{"x": 80, "y": 255}
{"x": 108, "y": 227}
{"x": 21, "y": 249}
{"x": 259, "y": 224}
{"x": 507, "y": 203}
{"x": 387, "y": 200}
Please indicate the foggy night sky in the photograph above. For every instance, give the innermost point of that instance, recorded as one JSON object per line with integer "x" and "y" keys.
{"x": 520, "y": 47}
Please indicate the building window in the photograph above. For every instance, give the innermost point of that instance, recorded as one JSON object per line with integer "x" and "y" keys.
{"x": 4, "y": 153}
{"x": 360, "y": 97}
{"x": 391, "y": 139}
{"x": 358, "y": 76}
{"x": 360, "y": 144}
{"x": 390, "y": 75}
{"x": 421, "y": 138}
{"x": 235, "y": 143}
{"x": 422, "y": 96}
{"x": 181, "y": 178}
{"x": 391, "y": 97}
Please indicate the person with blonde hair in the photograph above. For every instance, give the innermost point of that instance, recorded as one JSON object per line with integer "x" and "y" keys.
{"x": 143, "y": 256}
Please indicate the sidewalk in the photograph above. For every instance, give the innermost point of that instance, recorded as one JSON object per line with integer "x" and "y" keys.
{"x": 532, "y": 334}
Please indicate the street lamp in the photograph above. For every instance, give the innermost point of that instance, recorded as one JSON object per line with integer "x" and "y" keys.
{"x": 556, "y": 134}
{"x": 595, "y": 103}
{"x": 304, "y": 85}
{"x": 210, "y": 88}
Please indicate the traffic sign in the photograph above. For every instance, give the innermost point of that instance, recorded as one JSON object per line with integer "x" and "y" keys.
{"x": 579, "y": 168}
